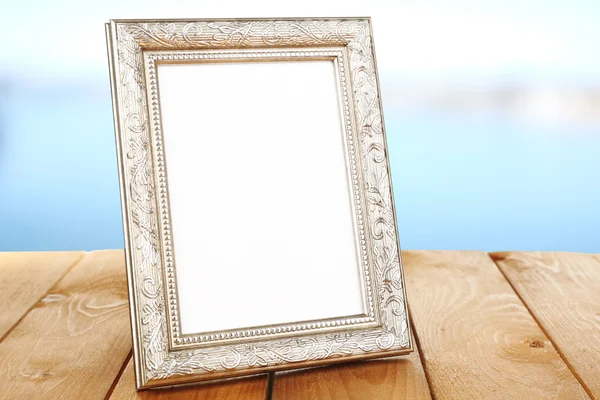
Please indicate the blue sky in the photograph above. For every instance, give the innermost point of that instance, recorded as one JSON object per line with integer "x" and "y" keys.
{"x": 557, "y": 40}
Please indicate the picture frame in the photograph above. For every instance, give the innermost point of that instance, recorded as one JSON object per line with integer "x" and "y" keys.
{"x": 259, "y": 221}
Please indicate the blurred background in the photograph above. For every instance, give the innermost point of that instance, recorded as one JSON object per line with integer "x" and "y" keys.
{"x": 492, "y": 110}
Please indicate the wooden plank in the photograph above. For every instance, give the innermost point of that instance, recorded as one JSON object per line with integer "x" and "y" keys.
{"x": 562, "y": 291}
{"x": 391, "y": 378}
{"x": 25, "y": 278}
{"x": 252, "y": 388}
{"x": 72, "y": 344}
{"x": 477, "y": 338}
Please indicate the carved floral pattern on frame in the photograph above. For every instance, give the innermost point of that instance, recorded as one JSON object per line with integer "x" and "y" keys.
{"x": 148, "y": 259}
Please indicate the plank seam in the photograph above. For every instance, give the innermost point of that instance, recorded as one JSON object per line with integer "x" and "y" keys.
{"x": 119, "y": 375}
{"x": 50, "y": 289}
{"x": 270, "y": 382}
{"x": 543, "y": 329}
{"x": 421, "y": 355}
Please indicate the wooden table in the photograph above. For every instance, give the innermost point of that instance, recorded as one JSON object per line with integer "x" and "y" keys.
{"x": 506, "y": 325}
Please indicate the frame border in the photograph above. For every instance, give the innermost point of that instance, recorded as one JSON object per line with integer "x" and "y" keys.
{"x": 179, "y": 340}
{"x": 163, "y": 358}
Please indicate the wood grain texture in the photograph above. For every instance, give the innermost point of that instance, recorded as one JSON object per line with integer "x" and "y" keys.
{"x": 477, "y": 338}
{"x": 25, "y": 278}
{"x": 252, "y": 388}
{"x": 562, "y": 291}
{"x": 391, "y": 378}
{"x": 72, "y": 344}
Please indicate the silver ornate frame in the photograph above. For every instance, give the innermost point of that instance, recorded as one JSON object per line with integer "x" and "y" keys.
{"x": 164, "y": 356}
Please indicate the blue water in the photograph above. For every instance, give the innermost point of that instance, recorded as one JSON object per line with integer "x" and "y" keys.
{"x": 58, "y": 172}
{"x": 461, "y": 182}
{"x": 492, "y": 184}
